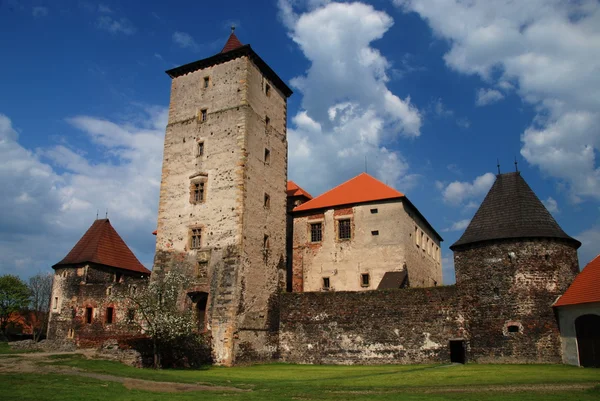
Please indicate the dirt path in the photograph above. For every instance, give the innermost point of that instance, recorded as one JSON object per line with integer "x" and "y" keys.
{"x": 29, "y": 363}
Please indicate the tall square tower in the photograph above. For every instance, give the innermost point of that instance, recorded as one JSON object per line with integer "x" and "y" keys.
{"x": 222, "y": 209}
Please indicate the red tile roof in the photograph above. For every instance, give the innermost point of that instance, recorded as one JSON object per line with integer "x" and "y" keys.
{"x": 360, "y": 189}
{"x": 585, "y": 288}
{"x": 232, "y": 43}
{"x": 102, "y": 244}
{"x": 294, "y": 190}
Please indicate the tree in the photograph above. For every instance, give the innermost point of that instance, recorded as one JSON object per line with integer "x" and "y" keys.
{"x": 157, "y": 308}
{"x": 14, "y": 297}
{"x": 40, "y": 286}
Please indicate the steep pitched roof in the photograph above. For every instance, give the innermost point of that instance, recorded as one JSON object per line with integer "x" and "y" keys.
{"x": 586, "y": 286}
{"x": 102, "y": 244}
{"x": 511, "y": 210}
{"x": 360, "y": 189}
{"x": 232, "y": 43}
{"x": 294, "y": 189}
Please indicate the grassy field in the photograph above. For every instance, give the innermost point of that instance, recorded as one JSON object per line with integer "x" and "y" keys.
{"x": 298, "y": 382}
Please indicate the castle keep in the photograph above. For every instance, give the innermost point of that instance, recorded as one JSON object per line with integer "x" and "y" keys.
{"x": 361, "y": 264}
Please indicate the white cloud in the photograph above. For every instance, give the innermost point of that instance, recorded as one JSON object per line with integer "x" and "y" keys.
{"x": 488, "y": 96}
{"x": 115, "y": 26}
{"x": 551, "y": 205}
{"x": 589, "y": 245}
{"x": 53, "y": 193}
{"x": 544, "y": 50}
{"x": 39, "y": 11}
{"x": 458, "y": 192}
{"x": 185, "y": 41}
{"x": 347, "y": 111}
{"x": 458, "y": 225}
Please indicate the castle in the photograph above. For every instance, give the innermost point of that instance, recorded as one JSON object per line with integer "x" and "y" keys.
{"x": 229, "y": 219}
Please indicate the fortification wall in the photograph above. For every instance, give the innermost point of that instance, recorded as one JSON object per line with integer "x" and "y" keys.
{"x": 373, "y": 327}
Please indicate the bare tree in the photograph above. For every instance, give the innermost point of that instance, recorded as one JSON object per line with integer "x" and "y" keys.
{"x": 40, "y": 286}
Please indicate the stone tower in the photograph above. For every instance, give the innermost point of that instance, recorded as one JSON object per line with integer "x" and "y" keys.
{"x": 222, "y": 210}
{"x": 512, "y": 262}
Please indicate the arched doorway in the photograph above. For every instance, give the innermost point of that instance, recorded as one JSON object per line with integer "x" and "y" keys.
{"x": 587, "y": 328}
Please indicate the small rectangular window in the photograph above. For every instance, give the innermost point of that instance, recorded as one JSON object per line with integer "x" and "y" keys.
{"x": 267, "y": 121}
{"x": 200, "y": 148}
{"x": 203, "y": 114}
{"x": 374, "y": 211}
{"x": 416, "y": 236}
{"x": 196, "y": 238}
{"x": 326, "y": 285}
{"x": 344, "y": 230}
{"x": 55, "y": 302}
{"x": 267, "y": 89}
{"x": 109, "y": 315}
{"x": 88, "y": 315}
{"x": 364, "y": 280}
{"x": 375, "y": 232}
{"x": 118, "y": 277}
{"x": 316, "y": 232}
{"x": 206, "y": 82}
{"x": 267, "y": 202}
{"x": 267, "y": 156}
{"x": 266, "y": 242}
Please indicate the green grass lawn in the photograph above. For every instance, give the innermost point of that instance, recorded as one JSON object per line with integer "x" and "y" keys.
{"x": 308, "y": 382}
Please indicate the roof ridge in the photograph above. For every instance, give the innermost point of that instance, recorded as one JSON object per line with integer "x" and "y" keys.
{"x": 337, "y": 186}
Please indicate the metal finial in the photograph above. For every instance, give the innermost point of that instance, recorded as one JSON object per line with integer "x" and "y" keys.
{"x": 516, "y": 165}
{"x": 97, "y": 211}
{"x": 498, "y": 161}
{"x": 232, "y": 28}
{"x": 106, "y": 216}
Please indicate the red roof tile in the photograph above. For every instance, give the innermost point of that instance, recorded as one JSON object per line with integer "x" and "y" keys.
{"x": 360, "y": 189}
{"x": 102, "y": 244}
{"x": 232, "y": 43}
{"x": 294, "y": 190}
{"x": 585, "y": 288}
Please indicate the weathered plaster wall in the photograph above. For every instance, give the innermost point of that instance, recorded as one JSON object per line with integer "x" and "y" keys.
{"x": 343, "y": 261}
{"x": 91, "y": 286}
{"x": 566, "y": 318}
{"x": 514, "y": 283}
{"x": 393, "y": 326}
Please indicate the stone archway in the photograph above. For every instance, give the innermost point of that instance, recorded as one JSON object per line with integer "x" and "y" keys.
{"x": 587, "y": 328}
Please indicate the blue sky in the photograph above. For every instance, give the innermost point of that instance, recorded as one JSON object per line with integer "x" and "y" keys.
{"x": 431, "y": 92}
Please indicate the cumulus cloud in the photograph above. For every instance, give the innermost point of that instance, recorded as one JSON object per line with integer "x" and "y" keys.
{"x": 458, "y": 225}
{"x": 544, "y": 50}
{"x": 39, "y": 11}
{"x": 458, "y": 192}
{"x": 53, "y": 193}
{"x": 347, "y": 114}
{"x": 115, "y": 26}
{"x": 551, "y": 205}
{"x": 185, "y": 41}
{"x": 488, "y": 96}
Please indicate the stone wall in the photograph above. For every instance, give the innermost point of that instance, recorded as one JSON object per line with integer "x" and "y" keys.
{"x": 393, "y": 326}
{"x": 97, "y": 287}
{"x": 507, "y": 289}
{"x": 382, "y": 241}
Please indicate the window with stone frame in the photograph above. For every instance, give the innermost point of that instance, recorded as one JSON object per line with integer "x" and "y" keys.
{"x": 202, "y": 269}
{"x": 364, "y": 280}
{"x": 203, "y": 115}
{"x": 195, "y": 238}
{"x": 267, "y": 201}
{"x": 200, "y": 149}
{"x": 110, "y": 315}
{"x": 197, "y": 191}
{"x": 326, "y": 283}
{"x": 344, "y": 229}
{"x": 267, "y": 158}
{"x": 316, "y": 232}
{"x": 206, "y": 82}
{"x": 89, "y": 314}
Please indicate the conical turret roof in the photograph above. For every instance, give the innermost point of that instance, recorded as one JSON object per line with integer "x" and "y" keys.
{"x": 232, "y": 43}
{"x": 511, "y": 210}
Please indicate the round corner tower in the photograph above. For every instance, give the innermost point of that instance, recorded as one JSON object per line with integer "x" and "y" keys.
{"x": 512, "y": 263}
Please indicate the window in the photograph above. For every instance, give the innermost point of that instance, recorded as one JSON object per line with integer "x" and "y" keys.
{"x": 202, "y": 269}
{"x": 266, "y": 242}
{"x": 132, "y": 290}
{"x": 195, "y": 238}
{"x": 423, "y": 241}
{"x": 364, "y": 280}
{"x": 110, "y": 312}
{"x": 109, "y": 291}
{"x": 267, "y": 89}
{"x": 118, "y": 277}
{"x": 428, "y": 247}
{"x": 267, "y": 156}
{"x": 344, "y": 230}
{"x": 55, "y": 302}
{"x": 203, "y": 114}
{"x": 198, "y": 192}
{"x": 130, "y": 315}
{"x": 326, "y": 283}
{"x": 267, "y": 121}
{"x": 200, "y": 148}
{"x": 416, "y": 236}
{"x": 88, "y": 315}
{"x": 375, "y": 232}
{"x": 71, "y": 333}
{"x": 513, "y": 328}
{"x": 206, "y": 82}
{"x": 374, "y": 211}
{"x": 267, "y": 201}
{"x": 316, "y": 232}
